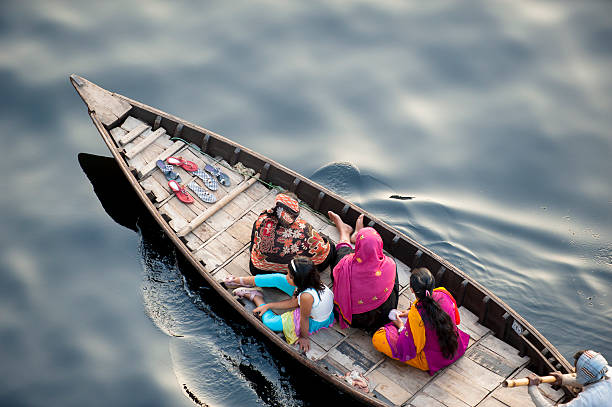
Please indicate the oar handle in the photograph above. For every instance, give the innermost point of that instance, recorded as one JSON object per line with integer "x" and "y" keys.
{"x": 525, "y": 381}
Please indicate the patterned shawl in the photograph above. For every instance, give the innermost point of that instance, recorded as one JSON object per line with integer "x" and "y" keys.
{"x": 279, "y": 235}
{"x": 363, "y": 280}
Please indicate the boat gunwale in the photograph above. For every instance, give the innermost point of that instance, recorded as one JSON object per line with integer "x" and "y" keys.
{"x": 232, "y": 151}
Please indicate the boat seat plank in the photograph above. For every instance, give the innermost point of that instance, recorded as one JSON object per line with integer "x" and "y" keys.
{"x": 518, "y": 396}
{"x": 138, "y": 148}
{"x": 117, "y": 133}
{"x": 389, "y": 390}
{"x": 469, "y": 324}
{"x": 407, "y": 377}
{"x": 219, "y": 249}
{"x": 132, "y": 134}
{"x": 131, "y": 123}
{"x": 404, "y": 301}
{"x": 150, "y": 153}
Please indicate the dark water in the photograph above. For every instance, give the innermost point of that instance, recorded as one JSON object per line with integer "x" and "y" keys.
{"x": 495, "y": 117}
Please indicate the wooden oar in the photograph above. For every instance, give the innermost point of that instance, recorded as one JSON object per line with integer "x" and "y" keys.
{"x": 543, "y": 379}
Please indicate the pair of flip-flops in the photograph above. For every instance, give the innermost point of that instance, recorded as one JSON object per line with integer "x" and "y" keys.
{"x": 184, "y": 196}
{"x": 190, "y": 166}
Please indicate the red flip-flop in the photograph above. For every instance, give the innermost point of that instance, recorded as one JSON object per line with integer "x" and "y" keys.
{"x": 181, "y": 162}
{"x": 180, "y": 192}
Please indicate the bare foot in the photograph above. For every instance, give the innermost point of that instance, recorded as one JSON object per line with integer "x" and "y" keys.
{"x": 344, "y": 229}
{"x": 358, "y": 227}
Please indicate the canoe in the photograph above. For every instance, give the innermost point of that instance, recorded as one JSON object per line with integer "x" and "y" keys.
{"x": 215, "y": 238}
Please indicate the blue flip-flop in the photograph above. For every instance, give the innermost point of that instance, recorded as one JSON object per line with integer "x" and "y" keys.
{"x": 167, "y": 170}
{"x": 217, "y": 173}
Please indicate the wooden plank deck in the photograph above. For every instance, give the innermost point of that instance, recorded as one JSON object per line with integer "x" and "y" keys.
{"x": 221, "y": 243}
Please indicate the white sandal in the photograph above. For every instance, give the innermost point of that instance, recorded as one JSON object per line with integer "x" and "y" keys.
{"x": 249, "y": 293}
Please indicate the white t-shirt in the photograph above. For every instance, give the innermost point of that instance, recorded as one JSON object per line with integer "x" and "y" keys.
{"x": 323, "y": 304}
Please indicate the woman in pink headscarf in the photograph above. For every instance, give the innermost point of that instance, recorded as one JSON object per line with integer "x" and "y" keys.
{"x": 366, "y": 286}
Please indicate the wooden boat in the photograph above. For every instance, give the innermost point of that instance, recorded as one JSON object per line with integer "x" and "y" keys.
{"x": 215, "y": 239}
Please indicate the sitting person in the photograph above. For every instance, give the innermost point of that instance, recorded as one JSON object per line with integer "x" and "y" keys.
{"x": 279, "y": 235}
{"x": 313, "y": 299}
{"x": 593, "y": 374}
{"x": 366, "y": 286}
{"x": 429, "y": 339}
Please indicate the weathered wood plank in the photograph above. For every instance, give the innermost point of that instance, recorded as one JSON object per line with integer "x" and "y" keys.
{"x": 477, "y": 374}
{"x": 131, "y": 123}
{"x": 469, "y": 324}
{"x": 384, "y": 386}
{"x": 407, "y": 377}
{"x": 356, "y": 352}
{"x": 493, "y": 361}
{"x": 239, "y": 266}
{"x": 451, "y": 388}
{"x": 152, "y": 165}
{"x": 132, "y": 134}
{"x": 108, "y": 107}
{"x": 327, "y": 338}
{"x": 423, "y": 400}
{"x": 138, "y": 148}
{"x": 117, "y": 133}
{"x": 503, "y": 349}
{"x": 241, "y": 229}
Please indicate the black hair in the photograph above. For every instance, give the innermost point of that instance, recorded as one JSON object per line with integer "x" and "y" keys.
{"x": 305, "y": 275}
{"x": 422, "y": 283}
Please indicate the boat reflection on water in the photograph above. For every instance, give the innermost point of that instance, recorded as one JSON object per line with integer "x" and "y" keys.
{"x": 216, "y": 356}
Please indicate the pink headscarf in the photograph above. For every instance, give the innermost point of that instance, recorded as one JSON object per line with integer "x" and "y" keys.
{"x": 363, "y": 280}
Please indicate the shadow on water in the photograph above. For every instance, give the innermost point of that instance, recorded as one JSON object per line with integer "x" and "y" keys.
{"x": 216, "y": 356}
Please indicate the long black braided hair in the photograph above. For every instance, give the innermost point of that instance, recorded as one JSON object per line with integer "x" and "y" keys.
{"x": 422, "y": 283}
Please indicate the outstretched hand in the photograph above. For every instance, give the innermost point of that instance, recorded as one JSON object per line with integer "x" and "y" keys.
{"x": 261, "y": 309}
